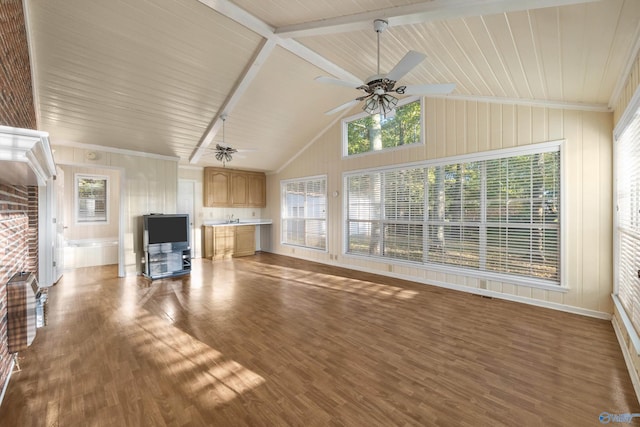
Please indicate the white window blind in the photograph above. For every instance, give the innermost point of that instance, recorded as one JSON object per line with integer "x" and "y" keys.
{"x": 91, "y": 198}
{"x": 497, "y": 215}
{"x": 304, "y": 211}
{"x": 628, "y": 220}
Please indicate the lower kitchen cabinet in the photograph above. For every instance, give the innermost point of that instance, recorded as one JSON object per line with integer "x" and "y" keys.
{"x": 229, "y": 240}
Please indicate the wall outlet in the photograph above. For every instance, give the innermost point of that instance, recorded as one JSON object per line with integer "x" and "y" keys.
{"x": 483, "y": 284}
{"x": 253, "y": 214}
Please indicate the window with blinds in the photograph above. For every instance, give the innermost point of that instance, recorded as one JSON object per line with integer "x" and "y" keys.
{"x": 304, "y": 212}
{"x": 497, "y": 214}
{"x": 91, "y": 198}
{"x": 627, "y": 200}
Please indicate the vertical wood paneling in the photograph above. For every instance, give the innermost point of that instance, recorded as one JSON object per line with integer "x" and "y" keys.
{"x": 495, "y": 119}
{"x": 509, "y": 125}
{"x": 472, "y": 126}
{"x": 484, "y": 127}
{"x": 632, "y": 84}
{"x": 461, "y": 127}
{"x": 591, "y": 211}
{"x": 524, "y": 126}
{"x": 146, "y": 180}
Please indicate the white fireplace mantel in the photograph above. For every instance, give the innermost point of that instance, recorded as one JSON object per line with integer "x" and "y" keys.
{"x": 25, "y": 157}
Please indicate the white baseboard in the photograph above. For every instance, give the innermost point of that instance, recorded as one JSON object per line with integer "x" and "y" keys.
{"x": 635, "y": 380}
{"x": 485, "y": 292}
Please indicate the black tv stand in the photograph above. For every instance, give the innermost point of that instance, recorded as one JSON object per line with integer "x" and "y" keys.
{"x": 166, "y": 260}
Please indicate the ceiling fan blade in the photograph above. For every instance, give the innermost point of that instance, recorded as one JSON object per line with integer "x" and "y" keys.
{"x": 342, "y": 107}
{"x": 430, "y": 89}
{"x": 339, "y": 82}
{"x": 406, "y": 64}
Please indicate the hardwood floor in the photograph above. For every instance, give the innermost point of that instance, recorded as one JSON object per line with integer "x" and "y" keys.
{"x": 269, "y": 341}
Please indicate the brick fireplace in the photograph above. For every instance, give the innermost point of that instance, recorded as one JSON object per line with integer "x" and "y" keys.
{"x": 18, "y": 203}
{"x": 18, "y": 250}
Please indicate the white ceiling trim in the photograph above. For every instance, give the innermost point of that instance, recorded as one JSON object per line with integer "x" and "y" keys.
{"x": 106, "y": 149}
{"x": 417, "y": 13}
{"x": 600, "y": 108}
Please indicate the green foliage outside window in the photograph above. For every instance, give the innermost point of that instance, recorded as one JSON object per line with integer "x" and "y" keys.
{"x": 374, "y": 133}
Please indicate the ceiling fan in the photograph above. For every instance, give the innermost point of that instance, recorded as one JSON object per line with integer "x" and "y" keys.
{"x": 224, "y": 153}
{"x": 379, "y": 87}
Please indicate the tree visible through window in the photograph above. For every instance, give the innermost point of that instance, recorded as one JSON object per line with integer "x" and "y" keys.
{"x": 497, "y": 215}
{"x": 91, "y": 198}
{"x": 375, "y": 133}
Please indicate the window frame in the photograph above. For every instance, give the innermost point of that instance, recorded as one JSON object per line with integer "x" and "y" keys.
{"x": 402, "y": 102}
{"x": 76, "y": 212}
{"x": 561, "y": 285}
{"x": 283, "y": 212}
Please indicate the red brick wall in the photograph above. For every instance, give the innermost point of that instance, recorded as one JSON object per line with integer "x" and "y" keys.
{"x": 18, "y": 205}
{"x": 14, "y": 256}
{"x": 16, "y": 96}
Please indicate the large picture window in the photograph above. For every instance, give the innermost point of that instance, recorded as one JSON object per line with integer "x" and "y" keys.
{"x": 369, "y": 133}
{"x": 91, "y": 199}
{"x": 497, "y": 213}
{"x": 304, "y": 212}
{"x": 627, "y": 230}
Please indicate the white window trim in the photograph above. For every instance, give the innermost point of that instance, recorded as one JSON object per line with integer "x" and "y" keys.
{"x": 629, "y": 114}
{"x": 345, "y": 121}
{"x": 283, "y": 183}
{"x": 76, "y": 206}
{"x": 487, "y": 155}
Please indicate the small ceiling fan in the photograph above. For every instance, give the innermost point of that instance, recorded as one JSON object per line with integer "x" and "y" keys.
{"x": 223, "y": 152}
{"x": 379, "y": 87}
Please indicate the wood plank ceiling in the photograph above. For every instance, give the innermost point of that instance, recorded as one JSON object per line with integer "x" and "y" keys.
{"x": 158, "y": 76}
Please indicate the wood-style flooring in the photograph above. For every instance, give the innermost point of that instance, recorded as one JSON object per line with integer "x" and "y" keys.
{"x": 274, "y": 341}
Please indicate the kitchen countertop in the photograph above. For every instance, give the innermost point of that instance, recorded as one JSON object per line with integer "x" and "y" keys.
{"x": 224, "y": 223}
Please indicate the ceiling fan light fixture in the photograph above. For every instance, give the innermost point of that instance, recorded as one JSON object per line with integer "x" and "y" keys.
{"x": 371, "y": 105}
{"x": 223, "y": 152}
{"x": 380, "y": 104}
{"x": 388, "y": 103}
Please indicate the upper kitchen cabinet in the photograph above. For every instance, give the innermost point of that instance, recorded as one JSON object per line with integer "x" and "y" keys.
{"x": 234, "y": 188}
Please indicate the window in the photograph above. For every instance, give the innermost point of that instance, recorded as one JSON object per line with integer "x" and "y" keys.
{"x": 497, "y": 213}
{"x": 627, "y": 232}
{"x": 91, "y": 198}
{"x": 304, "y": 212}
{"x": 368, "y": 133}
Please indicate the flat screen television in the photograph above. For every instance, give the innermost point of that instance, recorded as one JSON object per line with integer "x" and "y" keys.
{"x": 172, "y": 229}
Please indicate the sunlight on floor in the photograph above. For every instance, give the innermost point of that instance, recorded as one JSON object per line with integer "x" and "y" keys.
{"x": 329, "y": 281}
{"x": 190, "y": 366}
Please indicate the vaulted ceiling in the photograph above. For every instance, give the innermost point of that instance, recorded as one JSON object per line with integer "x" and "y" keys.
{"x": 158, "y": 76}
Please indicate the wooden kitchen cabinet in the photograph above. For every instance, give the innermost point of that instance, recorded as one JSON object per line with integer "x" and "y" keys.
{"x": 208, "y": 242}
{"x": 239, "y": 193}
{"x": 245, "y": 240}
{"x": 257, "y": 190}
{"x": 217, "y": 185}
{"x": 223, "y": 242}
{"x": 234, "y": 188}
{"x": 229, "y": 241}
